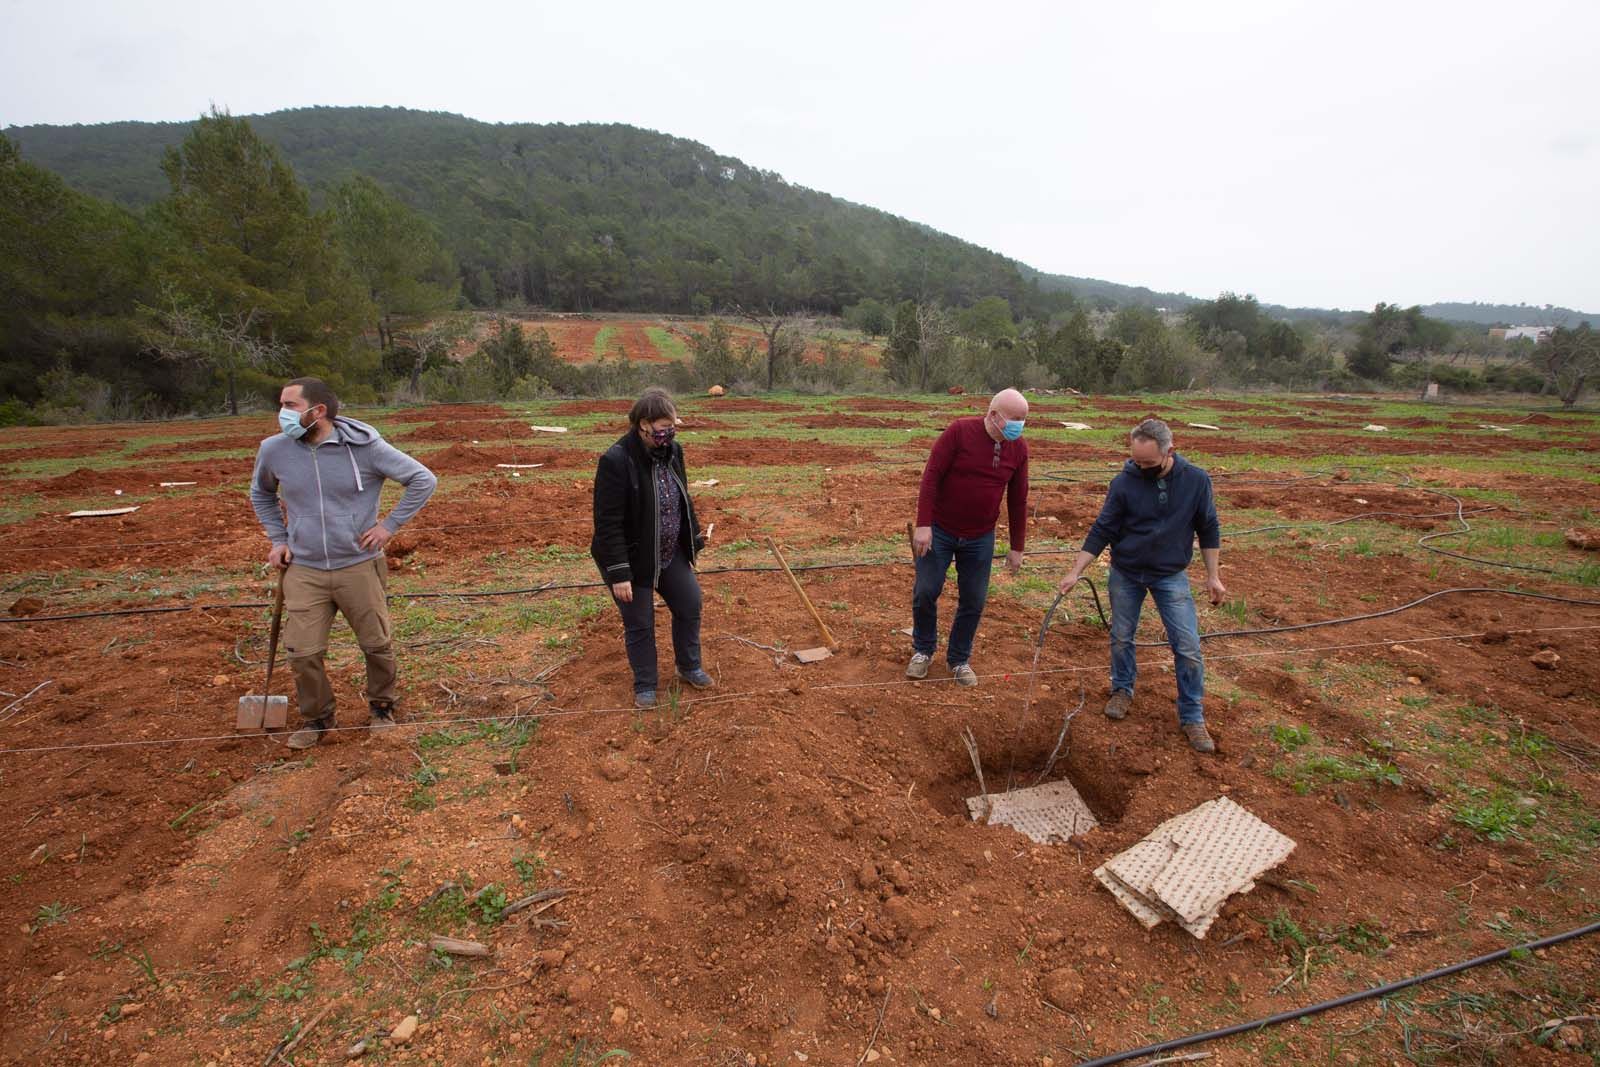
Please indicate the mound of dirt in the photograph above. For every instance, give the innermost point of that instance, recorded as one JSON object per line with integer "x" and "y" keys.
{"x": 465, "y": 412}
{"x": 469, "y": 430}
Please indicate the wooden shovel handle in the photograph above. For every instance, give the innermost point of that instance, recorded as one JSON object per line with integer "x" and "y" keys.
{"x": 272, "y": 638}
{"x": 827, "y": 635}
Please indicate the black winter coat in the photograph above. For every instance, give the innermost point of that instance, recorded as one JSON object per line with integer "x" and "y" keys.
{"x": 626, "y": 519}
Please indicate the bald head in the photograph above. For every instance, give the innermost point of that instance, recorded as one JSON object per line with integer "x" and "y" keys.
{"x": 1010, "y": 404}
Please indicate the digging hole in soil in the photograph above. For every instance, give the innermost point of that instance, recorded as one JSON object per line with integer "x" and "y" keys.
{"x": 1103, "y": 784}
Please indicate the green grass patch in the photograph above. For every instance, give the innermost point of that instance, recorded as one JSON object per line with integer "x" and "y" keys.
{"x": 668, "y": 344}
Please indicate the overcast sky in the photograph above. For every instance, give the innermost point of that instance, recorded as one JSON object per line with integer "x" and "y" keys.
{"x": 1328, "y": 154}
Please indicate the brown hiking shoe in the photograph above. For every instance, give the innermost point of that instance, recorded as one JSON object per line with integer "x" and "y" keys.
{"x": 1199, "y": 737}
{"x": 1117, "y": 706}
{"x": 309, "y": 734}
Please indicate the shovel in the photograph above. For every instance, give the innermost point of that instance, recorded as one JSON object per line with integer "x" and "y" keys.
{"x": 267, "y": 712}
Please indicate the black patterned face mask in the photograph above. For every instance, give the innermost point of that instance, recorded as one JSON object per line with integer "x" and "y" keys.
{"x": 663, "y": 438}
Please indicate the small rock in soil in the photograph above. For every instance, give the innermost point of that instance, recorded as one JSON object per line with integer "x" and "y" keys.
{"x": 27, "y": 605}
{"x": 1545, "y": 659}
{"x": 403, "y": 1033}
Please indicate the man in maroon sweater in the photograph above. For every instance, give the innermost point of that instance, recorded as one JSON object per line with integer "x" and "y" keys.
{"x": 974, "y": 461}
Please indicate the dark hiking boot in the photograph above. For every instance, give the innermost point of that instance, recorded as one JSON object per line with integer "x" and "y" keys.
{"x": 644, "y": 698}
{"x": 309, "y": 734}
{"x": 1199, "y": 737}
{"x": 382, "y": 716}
{"x": 1117, "y": 707}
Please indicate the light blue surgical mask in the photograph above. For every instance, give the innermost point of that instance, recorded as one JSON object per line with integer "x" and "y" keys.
{"x": 1013, "y": 429}
{"x": 289, "y": 423}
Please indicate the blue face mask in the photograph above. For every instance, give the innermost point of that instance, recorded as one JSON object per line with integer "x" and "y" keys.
{"x": 289, "y": 423}
{"x": 1013, "y": 429}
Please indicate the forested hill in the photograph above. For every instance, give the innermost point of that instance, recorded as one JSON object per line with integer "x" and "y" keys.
{"x": 582, "y": 217}
{"x": 1510, "y": 314}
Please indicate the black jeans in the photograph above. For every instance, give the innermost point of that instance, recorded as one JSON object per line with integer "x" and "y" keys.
{"x": 681, "y": 590}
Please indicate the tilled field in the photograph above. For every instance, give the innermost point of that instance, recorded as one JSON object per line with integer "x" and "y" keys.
{"x": 782, "y": 870}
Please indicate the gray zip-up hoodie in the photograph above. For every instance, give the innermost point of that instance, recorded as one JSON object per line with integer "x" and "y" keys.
{"x": 331, "y": 491}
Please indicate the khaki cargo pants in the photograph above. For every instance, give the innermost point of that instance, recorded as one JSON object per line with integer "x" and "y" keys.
{"x": 310, "y": 598}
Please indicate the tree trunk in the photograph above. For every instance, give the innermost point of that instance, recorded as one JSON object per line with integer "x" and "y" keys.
{"x": 1570, "y": 397}
{"x": 233, "y": 395}
{"x": 416, "y": 371}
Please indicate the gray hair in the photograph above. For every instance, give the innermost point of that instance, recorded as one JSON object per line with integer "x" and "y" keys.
{"x": 1153, "y": 430}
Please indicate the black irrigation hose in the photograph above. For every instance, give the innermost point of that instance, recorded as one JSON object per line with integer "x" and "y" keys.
{"x": 1339, "y": 1002}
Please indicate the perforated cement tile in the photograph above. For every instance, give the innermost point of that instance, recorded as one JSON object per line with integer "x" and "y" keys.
{"x": 1218, "y": 849}
{"x": 1200, "y": 858}
{"x": 1045, "y": 813}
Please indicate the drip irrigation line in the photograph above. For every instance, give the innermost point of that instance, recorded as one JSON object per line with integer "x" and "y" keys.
{"x": 1339, "y": 1002}
{"x": 724, "y": 698}
{"x": 1459, "y": 590}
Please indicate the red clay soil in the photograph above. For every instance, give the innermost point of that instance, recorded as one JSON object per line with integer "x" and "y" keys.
{"x": 755, "y": 877}
{"x": 233, "y": 443}
{"x": 459, "y": 412}
{"x": 880, "y": 403}
{"x": 633, "y": 339}
{"x": 721, "y": 451}
{"x": 462, "y": 458}
{"x": 141, "y": 479}
{"x": 741, "y": 403}
{"x": 475, "y": 430}
{"x": 593, "y": 407}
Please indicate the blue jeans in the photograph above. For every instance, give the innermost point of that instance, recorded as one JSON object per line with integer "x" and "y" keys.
{"x": 1176, "y": 604}
{"x": 974, "y": 556}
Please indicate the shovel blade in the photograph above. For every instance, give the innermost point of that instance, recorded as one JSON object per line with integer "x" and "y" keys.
{"x": 257, "y": 713}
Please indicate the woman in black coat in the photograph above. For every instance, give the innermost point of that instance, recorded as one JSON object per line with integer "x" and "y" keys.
{"x": 646, "y": 538}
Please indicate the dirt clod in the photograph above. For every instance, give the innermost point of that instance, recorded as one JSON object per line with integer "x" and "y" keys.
{"x": 1062, "y": 987}
{"x": 407, "y": 1029}
{"x": 1545, "y": 659}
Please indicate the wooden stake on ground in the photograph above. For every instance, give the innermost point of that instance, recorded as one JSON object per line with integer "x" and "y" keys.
{"x": 457, "y": 947}
{"x": 827, "y": 635}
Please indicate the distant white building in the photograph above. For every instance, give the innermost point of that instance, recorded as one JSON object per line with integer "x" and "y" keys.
{"x": 1512, "y": 333}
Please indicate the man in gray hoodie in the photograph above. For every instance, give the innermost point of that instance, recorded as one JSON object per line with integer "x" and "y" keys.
{"x": 329, "y": 471}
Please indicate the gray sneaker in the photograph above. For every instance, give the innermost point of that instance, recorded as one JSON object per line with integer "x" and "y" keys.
{"x": 309, "y": 734}
{"x": 1117, "y": 706}
{"x": 644, "y": 698}
{"x": 697, "y": 678}
{"x": 964, "y": 674}
{"x": 918, "y": 667}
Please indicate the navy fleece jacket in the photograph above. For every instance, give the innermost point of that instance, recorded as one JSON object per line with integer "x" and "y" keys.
{"x": 331, "y": 492}
{"x": 1151, "y": 524}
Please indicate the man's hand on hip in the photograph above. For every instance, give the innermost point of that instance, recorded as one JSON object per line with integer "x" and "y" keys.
{"x": 1013, "y": 561}
{"x": 280, "y": 557}
{"x": 376, "y": 537}
{"x": 921, "y": 541}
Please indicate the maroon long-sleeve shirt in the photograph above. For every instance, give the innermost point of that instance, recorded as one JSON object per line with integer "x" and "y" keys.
{"x": 965, "y": 477}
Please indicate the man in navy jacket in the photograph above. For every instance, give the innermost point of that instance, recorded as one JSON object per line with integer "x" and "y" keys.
{"x": 1153, "y": 512}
